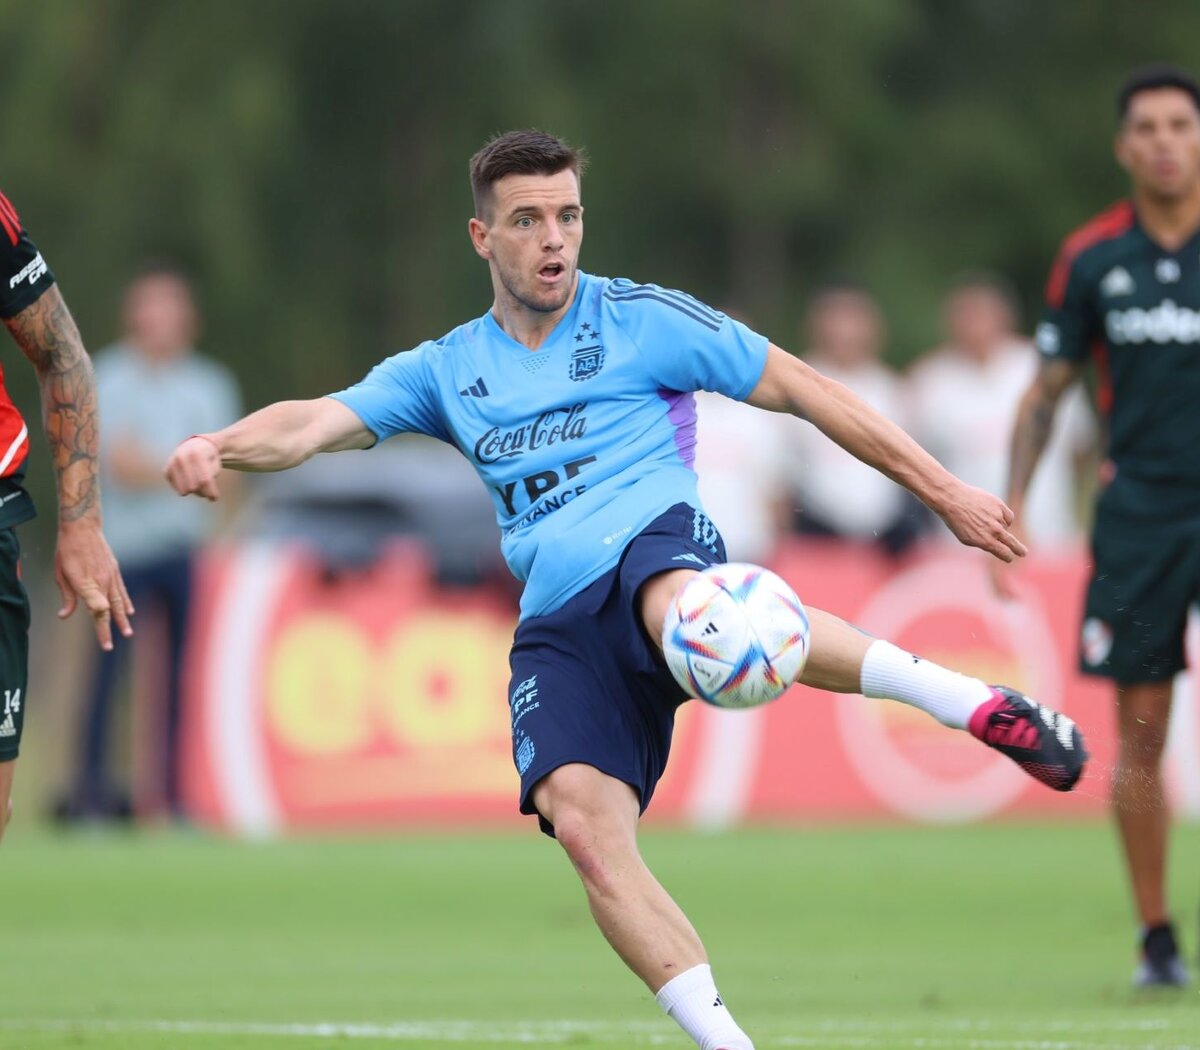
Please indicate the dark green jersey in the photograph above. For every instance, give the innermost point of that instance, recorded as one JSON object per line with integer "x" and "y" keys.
{"x": 1133, "y": 308}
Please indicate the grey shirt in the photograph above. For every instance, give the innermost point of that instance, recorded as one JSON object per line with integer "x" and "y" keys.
{"x": 157, "y": 405}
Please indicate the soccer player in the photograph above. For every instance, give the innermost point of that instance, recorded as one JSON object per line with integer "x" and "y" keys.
{"x": 1125, "y": 292}
{"x": 572, "y": 398}
{"x": 84, "y": 567}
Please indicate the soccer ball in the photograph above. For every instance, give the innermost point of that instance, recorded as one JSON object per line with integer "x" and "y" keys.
{"x": 735, "y": 635}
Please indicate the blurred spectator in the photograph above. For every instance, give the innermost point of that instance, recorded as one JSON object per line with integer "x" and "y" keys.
{"x": 153, "y": 391}
{"x": 964, "y": 397}
{"x": 741, "y": 460}
{"x": 839, "y": 495}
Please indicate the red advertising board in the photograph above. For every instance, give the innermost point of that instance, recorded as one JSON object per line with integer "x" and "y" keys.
{"x": 377, "y": 698}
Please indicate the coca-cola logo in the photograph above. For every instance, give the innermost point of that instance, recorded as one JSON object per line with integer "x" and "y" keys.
{"x": 549, "y": 428}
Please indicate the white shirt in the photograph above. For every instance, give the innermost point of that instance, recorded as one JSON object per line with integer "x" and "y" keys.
{"x": 963, "y": 413}
{"x": 741, "y": 456}
{"x": 844, "y": 493}
{"x": 157, "y": 405}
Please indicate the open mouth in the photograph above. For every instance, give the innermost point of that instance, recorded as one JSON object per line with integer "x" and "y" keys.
{"x": 552, "y": 271}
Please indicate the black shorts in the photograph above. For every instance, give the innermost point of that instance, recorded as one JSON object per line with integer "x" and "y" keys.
{"x": 588, "y": 685}
{"x": 14, "y": 646}
{"x": 1145, "y": 577}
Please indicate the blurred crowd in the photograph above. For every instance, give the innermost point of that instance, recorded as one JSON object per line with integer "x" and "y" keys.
{"x": 763, "y": 477}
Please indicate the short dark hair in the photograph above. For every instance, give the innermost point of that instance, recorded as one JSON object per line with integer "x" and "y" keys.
{"x": 990, "y": 282}
{"x": 986, "y": 281}
{"x": 161, "y": 267}
{"x": 1155, "y": 78}
{"x": 834, "y": 287}
{"x": 525, "y": 152}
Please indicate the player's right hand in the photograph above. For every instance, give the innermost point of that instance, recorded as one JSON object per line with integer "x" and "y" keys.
{"x": 193, "y": 467}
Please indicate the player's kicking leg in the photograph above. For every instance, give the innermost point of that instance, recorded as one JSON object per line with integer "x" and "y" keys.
{"x": 1045, "y": 744}
{"x": 595, "y": 820}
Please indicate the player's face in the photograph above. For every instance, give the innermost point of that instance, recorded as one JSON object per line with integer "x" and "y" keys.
{"x": 532, "y": 238}
{"x": 1159, "y": 143}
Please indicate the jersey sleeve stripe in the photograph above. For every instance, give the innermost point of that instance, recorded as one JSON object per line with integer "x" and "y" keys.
{"x": 660, "y": 298}
{"x": 10, "y": 212}
{"x": 14, "y": 447}
{"x": 1104, "y": 383}
{"x": 685, "y": 300}
{"x": 1108, "y": 224}
{"x": 13, "y": 234}
{"x": 6, "y": 206}
{"x": 9, "y": 219}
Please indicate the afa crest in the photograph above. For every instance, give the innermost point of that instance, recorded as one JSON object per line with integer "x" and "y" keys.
{"x": 586, "y": 361}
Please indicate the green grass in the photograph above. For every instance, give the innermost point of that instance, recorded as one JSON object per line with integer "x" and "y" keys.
{"x": 990, "y": 937}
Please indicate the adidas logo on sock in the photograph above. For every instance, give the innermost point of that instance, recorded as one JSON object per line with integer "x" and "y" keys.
{"x": 476, "y": 389}
{"x": 718, "y": 1001}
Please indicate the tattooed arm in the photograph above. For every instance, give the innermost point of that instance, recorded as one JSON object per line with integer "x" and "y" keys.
{"x": 1031, "y": 432}
{"x": 85, "y": 568}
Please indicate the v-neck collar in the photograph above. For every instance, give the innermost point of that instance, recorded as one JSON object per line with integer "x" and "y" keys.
{"x": 1191, "y": 241}
{"x": 564, "y": 324}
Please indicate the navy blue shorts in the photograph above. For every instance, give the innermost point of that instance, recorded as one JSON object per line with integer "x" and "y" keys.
{"x": 588, "y": 685}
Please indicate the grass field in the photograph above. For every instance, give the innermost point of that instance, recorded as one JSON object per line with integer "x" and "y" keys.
{"x": 987, "y": 937}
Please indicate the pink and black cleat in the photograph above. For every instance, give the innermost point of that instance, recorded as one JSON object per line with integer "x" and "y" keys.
{"x": 1047, "y": 745}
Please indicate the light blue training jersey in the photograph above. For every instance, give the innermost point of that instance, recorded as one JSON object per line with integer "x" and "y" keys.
{"x": 582, "y": 442}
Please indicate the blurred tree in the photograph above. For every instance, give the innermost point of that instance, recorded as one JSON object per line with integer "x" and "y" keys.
{"x": 307, "y": 158}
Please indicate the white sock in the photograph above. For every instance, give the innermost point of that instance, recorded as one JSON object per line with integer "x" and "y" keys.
{"x": 889, "y": 673}
{"x": 692, "y": 1001}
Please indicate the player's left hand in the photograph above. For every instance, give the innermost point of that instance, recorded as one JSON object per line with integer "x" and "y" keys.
{"x": 86, "y": 570}
{"x": 979, "y": 519}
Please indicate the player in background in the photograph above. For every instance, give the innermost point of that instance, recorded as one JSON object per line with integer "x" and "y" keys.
{"x": 1125, "y": 294}
{"x": 34, "y": 312}
{"x": 572, "y": 398}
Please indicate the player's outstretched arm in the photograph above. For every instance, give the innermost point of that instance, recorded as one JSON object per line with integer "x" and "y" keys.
{"x": 976, "y": 517}
{"x": 277, "y": 437}
{"x": 1031, "y": 431}
{"x": 84, "y": 568}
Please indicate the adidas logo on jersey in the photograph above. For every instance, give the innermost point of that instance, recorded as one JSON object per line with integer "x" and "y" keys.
{"x": 1117, "y": 282}
{"x": 8, "y": 727}
{"x": 1166, "y": 323}
{"x": 476, "y": 389}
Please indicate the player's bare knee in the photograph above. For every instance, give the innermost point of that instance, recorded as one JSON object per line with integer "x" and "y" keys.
{"x": 578, "y": 839}
{"x": 655, "y": 597}
{"x": 594, "y": 850}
